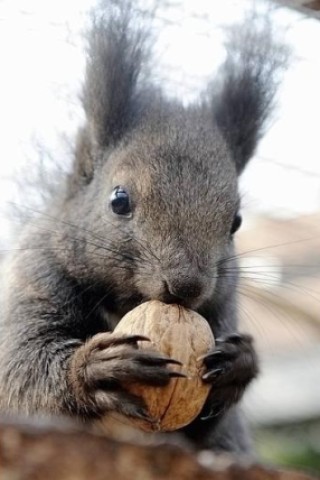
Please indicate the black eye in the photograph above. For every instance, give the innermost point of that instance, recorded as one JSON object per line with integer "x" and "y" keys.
{"x": 236, "y": 223}
{"x": 120, "y": 202}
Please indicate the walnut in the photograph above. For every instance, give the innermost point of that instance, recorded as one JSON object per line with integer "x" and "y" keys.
{"x": 183, "y": 335}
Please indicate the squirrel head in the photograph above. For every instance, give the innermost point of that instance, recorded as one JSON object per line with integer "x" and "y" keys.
{"x": 155, "y": 183}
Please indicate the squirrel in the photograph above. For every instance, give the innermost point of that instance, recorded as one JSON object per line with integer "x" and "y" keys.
{"x": 148, "y": 210}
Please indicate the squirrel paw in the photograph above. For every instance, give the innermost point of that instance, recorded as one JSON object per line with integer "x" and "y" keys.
{"x": 229, "y": 367}
{"x": 100, "y": 370}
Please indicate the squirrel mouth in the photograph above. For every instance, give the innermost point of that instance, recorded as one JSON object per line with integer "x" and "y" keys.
{"x": 187, "y": 302}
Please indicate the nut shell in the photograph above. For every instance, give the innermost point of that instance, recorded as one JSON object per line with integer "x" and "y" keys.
{"x": 183, "y": 335}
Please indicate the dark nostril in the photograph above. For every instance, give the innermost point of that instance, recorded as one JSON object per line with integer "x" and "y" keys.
{"x": 184, "y": 289}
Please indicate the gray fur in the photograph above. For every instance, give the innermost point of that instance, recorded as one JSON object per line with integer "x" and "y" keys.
{"x": 81, "y": 267}
{"x": 249, "y": 80}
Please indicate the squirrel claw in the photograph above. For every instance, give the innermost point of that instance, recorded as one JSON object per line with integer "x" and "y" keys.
{"x": 213, "y": 374}
{"x": 177, "y": 375}
{"x": 135, "y": 339}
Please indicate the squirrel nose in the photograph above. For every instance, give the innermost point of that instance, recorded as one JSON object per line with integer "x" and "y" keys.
{"x": 183, "y": 288}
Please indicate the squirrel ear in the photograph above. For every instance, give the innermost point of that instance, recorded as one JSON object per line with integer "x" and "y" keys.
{"x": 117, "y": 51}
{"x": 243, "y": 94}
{"x": 115, "y": 94}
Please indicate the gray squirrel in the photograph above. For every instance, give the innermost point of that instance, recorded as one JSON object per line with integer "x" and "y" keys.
{"x": 148, "y": 211}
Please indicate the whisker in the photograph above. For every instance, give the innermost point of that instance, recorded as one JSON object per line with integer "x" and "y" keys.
{"x": 263, "y": 278}
{"x": 98, "y": 303}
{"x": 268, "y": 266}
{"x": 249, "y": 292}
{"x": 58, "y": 220}
{"x": 119, "y": 254}
{"x": 145, "y": 247}
{"x": 261, "y": 249}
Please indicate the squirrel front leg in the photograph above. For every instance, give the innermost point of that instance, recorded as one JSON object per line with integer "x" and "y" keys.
{"x": 44, "y": 369}
{"x": 229, "y": 367}
{"x": 100, "y": 370}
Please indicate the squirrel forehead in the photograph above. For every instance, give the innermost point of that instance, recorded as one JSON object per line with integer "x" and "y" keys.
{"x": 176, "y": 162}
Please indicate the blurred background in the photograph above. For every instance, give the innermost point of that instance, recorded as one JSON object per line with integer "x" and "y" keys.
{"x": 42, "y": 62}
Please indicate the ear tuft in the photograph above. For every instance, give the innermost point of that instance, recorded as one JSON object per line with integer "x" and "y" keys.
{"x": 244, "y": 93}
{"x": 117, "y": 52}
